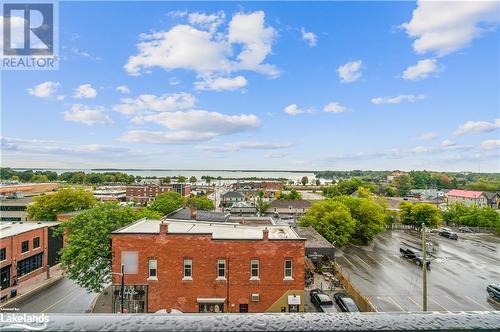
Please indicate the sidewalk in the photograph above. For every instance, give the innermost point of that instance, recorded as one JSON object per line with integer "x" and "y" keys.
{"x": 32, "y": 285}
{"x": 103, "y": 303}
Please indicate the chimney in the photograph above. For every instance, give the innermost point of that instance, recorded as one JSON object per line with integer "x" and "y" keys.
{"x": 193, "y": 213}
{"x": 265, "y": 233}
{"x": 163, "y": 228}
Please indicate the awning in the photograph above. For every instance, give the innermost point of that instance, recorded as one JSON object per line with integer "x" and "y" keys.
{"x": 210, "y": 300}
{"x": 309, "y": 265}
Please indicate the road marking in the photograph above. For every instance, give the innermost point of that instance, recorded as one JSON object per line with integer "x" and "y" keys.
{"x": 361, "y": 260}
{"x": 479, "y": 304}
{"x": 430, "y": 298}
{"x": 453, "y": 300}
{"x": 397, "y": 304}
{"x": 418, "y": 305}
{"x": 373, "y": 259}
{"x": 59, "y": 301}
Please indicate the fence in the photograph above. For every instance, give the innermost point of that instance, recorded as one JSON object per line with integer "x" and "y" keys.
{"x": 363, "y": 302}
{"x": 399, "y": 226}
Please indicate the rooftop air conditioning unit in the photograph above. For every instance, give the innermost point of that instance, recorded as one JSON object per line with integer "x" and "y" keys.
{"x": 255, "y": 297}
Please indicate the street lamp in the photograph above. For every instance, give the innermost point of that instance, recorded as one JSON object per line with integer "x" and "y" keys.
{"x": 122, "y": 287}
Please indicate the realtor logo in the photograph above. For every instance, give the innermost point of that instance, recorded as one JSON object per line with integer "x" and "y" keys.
{"x": 29, "y": 39}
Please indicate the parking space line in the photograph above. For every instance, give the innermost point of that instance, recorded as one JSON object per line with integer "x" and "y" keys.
{"x": 373, "y": 259}
{"x": 479, "y": 304}
{"x": 397, "y": 304}
{"x": 452, "y": 300}
{"x": 361, "y": 260}
{"x": 348, "y": 261}
{"x": 418, "y": 305}
{"x": 430, "y": 298}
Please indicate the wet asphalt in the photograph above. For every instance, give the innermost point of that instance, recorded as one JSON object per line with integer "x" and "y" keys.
{"x": 460, "y": 271}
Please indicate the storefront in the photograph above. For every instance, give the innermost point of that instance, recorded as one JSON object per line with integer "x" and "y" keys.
{"x": 134, "y": 298}
{"x": 211, "y": 305}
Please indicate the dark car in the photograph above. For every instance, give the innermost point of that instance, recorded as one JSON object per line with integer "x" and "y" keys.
{"x": 465, "y": 229}
{"x": 494, "y": 291}
{"x": 415, "y": 255}
{"x": 322, "y": 301}
{"x": 448, "y": 234}
{"x": 345, "y": 302}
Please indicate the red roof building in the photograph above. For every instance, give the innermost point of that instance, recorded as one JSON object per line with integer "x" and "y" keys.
{"x": 467, "y": 197}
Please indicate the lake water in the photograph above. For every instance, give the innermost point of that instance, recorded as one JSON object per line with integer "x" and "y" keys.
{"x": 233, "y": 174}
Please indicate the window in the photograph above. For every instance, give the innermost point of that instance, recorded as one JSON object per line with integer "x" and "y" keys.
{"x": 3, "y": 254}
{"x": 36, "y": 242}
{"x": 29, "y": 264}
{"x": 129, "y": 260}
{"x": 221, "y": 269}
{"x": 243, "y": 307}
{"x": 188, "y": 269}
{"x": 25, "y": 246}
{"x": 254, "y": 269}
{"x": 288, "y": 268}
{"x": 152, "y": 268}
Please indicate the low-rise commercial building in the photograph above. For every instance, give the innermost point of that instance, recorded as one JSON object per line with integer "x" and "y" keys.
{"x": 232, "y": 197}
{"x": 106, "y": 194}
{"x": 207, "y": 267}
{"x": 467, "y": 197}
{"x": 289, "y": 207}
{"x": 182, "y": 188}
{"x": 26, "y": 249}
{"x": 144, "y": 194}
{"x": 13, "y": 207}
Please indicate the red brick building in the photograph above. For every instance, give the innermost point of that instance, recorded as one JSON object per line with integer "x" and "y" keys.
{"x": 208, "y": 267}
{"x": 144, "y": 194}
{"x": 25, "y": 250}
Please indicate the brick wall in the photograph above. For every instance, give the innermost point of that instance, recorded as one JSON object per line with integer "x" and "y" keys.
{"x": 170, "y": 250}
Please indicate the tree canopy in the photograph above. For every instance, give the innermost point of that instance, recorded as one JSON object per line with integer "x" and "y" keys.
{"x": 472, "y": 216}
{"x": 87, "y": 256}
{"x": 200, "y": 203}
{"x": 47, "y": 207}
{"x": 293, "y": 194}
{"x": 167, "y": 202}
{"x": 420, "y": 213}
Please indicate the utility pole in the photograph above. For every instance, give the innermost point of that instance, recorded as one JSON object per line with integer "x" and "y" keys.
{"x": 424, "y": 269}
{"x": 122, "y": 290}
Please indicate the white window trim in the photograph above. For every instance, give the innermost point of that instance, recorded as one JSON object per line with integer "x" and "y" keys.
{"x": 218, "y": 277}
{"x": 285, "y": 277}
{"x": 150, "y": 277}
{"x": 257, "y": 277}
{"x": 184, "y": 277}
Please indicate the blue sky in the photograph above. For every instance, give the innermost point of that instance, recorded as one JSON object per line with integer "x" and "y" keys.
{"x": 251, "y": 85}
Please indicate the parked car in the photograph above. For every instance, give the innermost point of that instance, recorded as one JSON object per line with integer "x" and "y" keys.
{"x": 415, "y": 255}
{"x": 450, "y": 235}
{"x": 465, "y": 229}
{"x": 322, "y": 301}
{"x": 494, "y": 291}
{"x": 445, "y": 229}
{"x": 345, "y": 302}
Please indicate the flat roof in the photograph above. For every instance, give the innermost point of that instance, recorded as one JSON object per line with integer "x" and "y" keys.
{"x": 219, "y": 231}
{"x": 10, "y": 229}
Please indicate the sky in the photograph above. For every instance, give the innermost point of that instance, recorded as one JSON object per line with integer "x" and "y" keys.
{"x": 262, "y": 85}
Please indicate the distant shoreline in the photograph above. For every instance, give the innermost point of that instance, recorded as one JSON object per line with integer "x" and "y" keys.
{"x": 166, "y": 170}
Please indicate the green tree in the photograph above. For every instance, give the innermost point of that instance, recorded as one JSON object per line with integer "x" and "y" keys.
{"x": 318, "y": 182}
{"x": 167, "y": 202}
{"x": 262, "y": 206}
{"x": 193, "y": 179}
{"x": 47, "y": 207}
{"x": 39, "y": 178}
{"x": 420, "y": 213}
{"x": 304, "y": 180}
{"x": 390, "y": 192}
{"x": 293, "y": 195}
{"x": 181, "y": 179}
{"x": 403, "y": 184}
{"x": 167, "y": 179}
{"x": 87, "y": 256}
{"x": 200, "y": 203}
{"x": 332, "y": 219}
{"x": 14, "y": 178}
{"x": 472, "y": 216}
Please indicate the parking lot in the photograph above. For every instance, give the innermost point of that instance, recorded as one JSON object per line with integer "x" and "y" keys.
{"x": 460, "y": 271}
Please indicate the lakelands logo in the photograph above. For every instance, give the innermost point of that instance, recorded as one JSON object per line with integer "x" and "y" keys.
{"x": 29, "y": 35}
{"x": 31, "y": 322}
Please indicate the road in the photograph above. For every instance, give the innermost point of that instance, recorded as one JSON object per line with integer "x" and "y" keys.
{"x": 460, "y": 272}
{"x": 64, "y": 296}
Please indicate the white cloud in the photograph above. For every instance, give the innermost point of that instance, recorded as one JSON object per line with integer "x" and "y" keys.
{"x": 334, "y": 107}
{"x": 221, "y": 83}
{"x": 207, "y": 21}
{"x": 477, "y": 127}
{"x": 190, "y": 126}
{"x": 44, "y": 90}
{"x": 208, "y": 51}
{"x": 123, "y": 89}
{"x": 84, "y": 54}
{"x": 490, "y": 144}
{"x": 275, "y": 155}
{"x": 60, "y": 97}
{"x": 293, "y": 109}
{"x": 164, "y": 103}
{"x": 350, "y": 72}
{"x": 447, "y": 26}
{"x": 428, "y": 136}
{"x": 309, "y": 37}
{"x": 397, "y": 99}
{"x": 447, "y": 143}
{"x": 85, "y": 91}
{"x": 87, "y": 115}
{"x": 421, "y": 70}
{"x": 245, "y": 145}
{"x": 174, "y": 81}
